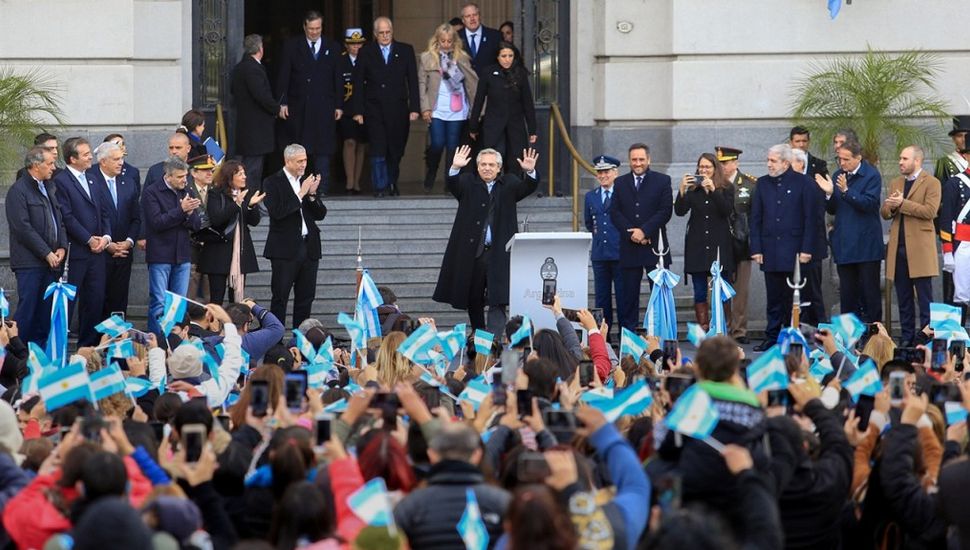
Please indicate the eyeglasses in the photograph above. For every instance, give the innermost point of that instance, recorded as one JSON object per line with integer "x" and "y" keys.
{"x": 383, "y": 33}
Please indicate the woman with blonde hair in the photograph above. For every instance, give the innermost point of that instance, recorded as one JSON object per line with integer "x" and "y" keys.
{"x": 446, "y": 85}
{"x": 392, "y": 367}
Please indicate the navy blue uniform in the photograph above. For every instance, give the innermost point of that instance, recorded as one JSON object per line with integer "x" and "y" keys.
{"x": 606, "y": 249}
{"x": 784, "y": 214}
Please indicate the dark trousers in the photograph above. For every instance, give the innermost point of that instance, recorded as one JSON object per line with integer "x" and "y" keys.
{"x": 321, "y": 166}
{"x": 117, "y": 275}
{"x": 905, "y": 285}
{"x": 859, "y": 290}
{"x": 300, "y": 275}
{"x": 253, "y": 164}
{"x": 87, "y": 274}
{"x": 628, "y": 297}
{"x": 217, "y": 288}
{"x": 948, "y": 296}
{"x": 606, "y": 281}
{"x": 778, "y": 296}
{"x": 33, "y": 315}
{"x": 393, "y": 170}
{"x": 378, "y": 173}
{"x": 478, "y": 298}
{"x": 812, "y": 293}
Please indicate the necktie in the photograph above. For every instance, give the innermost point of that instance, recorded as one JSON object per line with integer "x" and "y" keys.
{"x": 473, "y": 43}
{"x": 84, "y": 184}
{"x": 313, "y": 49}
{"x": 386, "y": 51}
{"x": 606, "y": 198}
{"x": 114, "y": 191}
{"x": 639, "y": 180}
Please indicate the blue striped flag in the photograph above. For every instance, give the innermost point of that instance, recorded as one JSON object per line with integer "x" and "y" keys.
{"x": 368, "y": 300}
{"x": 113, "y": 326}
{"x": 173, "y": 313}
{"x": 65, "y": 386}
{"x": 470, "y": 526}
{"x": 721, "y": 291}
{"x": 483, "y": 341}
{"x": 630, "y": 401}
{"x": 475, "y": 391}
{"x": 317, "y": 374}
{"x": 850, "y": 327}
{"x": 137, "y": 387}
{"x": 693, "y": 414}
{"x": 60, "y": 293}
{"x": 660, "y": 319}
{"x": 4, "y": 305}
{"x": 821, "y": 367}
{"x": 943, "y": 314}
{"x": 955, "y": 413}
{"x": 452, "y": 340}
{"x": 768, "y": 371}
{"x": 696, "y": 334}
{"x": 524, "y": 331}
{"x": 371, "y": 503}
{"x": 337, "y": 406}
{"x": 356, "y": 330}
{"x": 632, "y": 344}
{"x": 304, "y": 345}
{"x": 107, "y": 382}
{"x": 38, "y": 364}
{"x": 417, "y": 345}
{"x": 121, "y": 349}
{"x": 865, "y": 380}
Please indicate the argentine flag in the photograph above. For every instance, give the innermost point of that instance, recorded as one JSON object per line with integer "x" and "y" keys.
{"x": 173, "y": 312}
{"x": 471, "y": 527}
{"x": 865, "y": 380}
{"x": 629, "y": 402}
{"x": 768, "y": 371}
{"x": 523, "y": 332}
{"x": 944, "y": 314}
{"x": 368, "y": 300}
{"x": 39, "y": 365}
{"x": 113, "y": 326}
{"x": 121, "y": 349}
{"x": 955, "y": 413}
{"x": 107, "y": 382}
{"x": 475, "y": 392}
{"x": 4, "y": 305}
{"x": 356, "y": 330}
{"x": 418, "y": 345}
{"x": 632, "y": 344}
{"x": 317, "y": 375}
{"x": 850, "y": 327}
{"x": 693, "y": 414}
{"x": 65, "y": 386}
{"x": 452, "y": 341}
{"x": 304, "y": 345}
{"x": 371, "y": 503}
{"x": 696, "y": 334}
{"x": 137, "y": 387}
{"x": 483, "y": 341}
{"x": 337, "y": 406}
{"x": 821, "y": 367}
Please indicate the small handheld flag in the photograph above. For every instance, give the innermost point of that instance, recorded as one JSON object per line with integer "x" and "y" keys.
{"x": 768, "y": 371}
{"x": 471, "y": 527}
{"x": 632, "y": 344}
{"x": 137, "y": 387}
{"x": 483, "y": 341}
{"x": 630, "y": 401}
{"x": 955, "y": 413}
{"x": 355, "y": 329}
{"x": 475, "y": 391}
{"x": 865, "y": 380}
{"x": 418, "y": 344}
{"x": 4, "y": 306}
{"x": 368, "y": 300}
{"x": 113, "y": 326}
{"x": 850, "y": 327}
{"x": 107, "y": 382}
{"x": 65, "y": 386}
{"x": 696, "y": 334}
{"x": 371, "y": 503}
{"x": 174, "y": 311}
{"x": 693, "y": 414}
{"x": 524, "y": 331}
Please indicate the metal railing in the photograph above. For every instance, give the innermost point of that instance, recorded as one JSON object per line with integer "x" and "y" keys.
{"x": 556, "y": 121}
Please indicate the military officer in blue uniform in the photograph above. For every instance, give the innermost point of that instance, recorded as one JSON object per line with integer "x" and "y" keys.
{"x": 784, "y": 214}
{"x": 606, "y": 239}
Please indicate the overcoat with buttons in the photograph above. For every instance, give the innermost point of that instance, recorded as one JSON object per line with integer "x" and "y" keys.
{"x": 455, "y": 277}
{"x": 385, "y": 93}
{"x": 708, "y": 229}
{"x": 784, "y": 215}
{"x": 648, "y": 209}
{"x": 606, "y": 239}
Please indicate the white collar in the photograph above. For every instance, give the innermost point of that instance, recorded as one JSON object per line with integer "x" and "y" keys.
{"x": 916, "y": 175}
{"x": 107, "y": 177}
{"x": 76, "y": 173}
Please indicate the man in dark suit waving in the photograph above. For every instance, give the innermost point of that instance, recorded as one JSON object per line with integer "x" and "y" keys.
{"x": 86, "y": 219}
{"x": 311, "y": 93}
{"x": 475, "y": 259}
{"x": 480, "y": 42}
{"x": 642, "y": 205}
{"x": 386, "y": 97}
{"x": 256, "y": 109}
{"x": 293, "y": 242}
{"x": 124, "y": 213}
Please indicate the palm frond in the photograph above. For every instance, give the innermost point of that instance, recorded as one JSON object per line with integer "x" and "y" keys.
{"x": 29, "y": 103}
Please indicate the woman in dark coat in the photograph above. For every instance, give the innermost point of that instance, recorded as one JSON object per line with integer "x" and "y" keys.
{"x": 193, "y": 126}
{"x": 233, "y": 258}
{"x": 709, "y": 197}
{"x": 509, "y": 123}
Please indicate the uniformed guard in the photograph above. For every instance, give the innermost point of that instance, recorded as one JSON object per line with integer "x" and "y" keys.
{"x": 606, "y": 239}
{"x": 744, "y": 185}
{"x": 954, "y": 163}
{"x": 955, "y": 232}
{"x": 354, "y": 135}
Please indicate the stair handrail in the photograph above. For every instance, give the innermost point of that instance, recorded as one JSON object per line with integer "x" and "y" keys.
{"x": 556, "y": 121}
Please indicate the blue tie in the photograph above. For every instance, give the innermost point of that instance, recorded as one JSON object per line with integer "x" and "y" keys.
{"x": 114, "y": 191}
{"x": 606, "y": 199}
{"x": 473, "y": 45}
{"x": 386, "y": 50}
{"x": 313, "y": 49}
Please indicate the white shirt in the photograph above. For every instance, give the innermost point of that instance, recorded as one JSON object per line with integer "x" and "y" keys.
{"x": 295, "y": 185}
{"x": 82, "y": 178}
{"x": 314, "y": 45}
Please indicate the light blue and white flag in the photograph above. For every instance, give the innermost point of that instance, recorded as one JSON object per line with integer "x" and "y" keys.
{"x": 304, "y": 345}
{"x": 721, "y": 291}
{"x": 601, "y": 393}
{"x": 356, "y": 330}
{"x": 337, "y": 406}
{"x": 483, "y": 341}
{"x": 628, "y": 402}
{"x": 850, "y": 327}
{"x": 137, "y": 387}
{"x": 65, "y": 386}
{"x": 471, "y": 527}
{"x": 418, "y": 344}
{"x": 4, "y": 306}
{"x": 660, "y": 319}
{"x": 768, "y": 371}
{"x": 955, "y": 413}
{"x": 371, "y": 503}
{"x": 60, "y": 293}
{"x": 696, "y": 334}
{"x": 121, "y": 349}
{"x": 113, "y": 326}
{"x": 39, "y": 365}
{"x": 524, "y": 331}
{"x": 317, "y": 375}
{"x": 475, "y": 391}
{"x": 632, "y": 344}
{"x": 865, "y": 381}
{"x": 693, "y": 414}
{"x": 368, "y": 300}
{"x": 944, "y": 315}
{"x": 107, "y": 382}
{"x": 791, "y": 335}
{"x": 452, "y": 340}
{"x": 173, "y": 313}
{"x": 835, "y": 6}
{"x": 821, "y": 367}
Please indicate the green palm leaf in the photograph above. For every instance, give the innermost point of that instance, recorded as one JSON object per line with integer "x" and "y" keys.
{"x": 29, "y": 102}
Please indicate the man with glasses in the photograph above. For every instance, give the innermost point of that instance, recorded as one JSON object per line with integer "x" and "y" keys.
{"x": 47, "y": 142}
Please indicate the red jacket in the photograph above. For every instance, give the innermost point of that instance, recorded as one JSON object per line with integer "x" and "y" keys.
{"x": 345, "y": 478}
{"x": 599, "y": 355}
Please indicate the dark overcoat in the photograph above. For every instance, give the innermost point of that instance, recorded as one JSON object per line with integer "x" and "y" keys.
{"x": 784, "y": 218}
{"x": 708, "y": 229}
{"x": 224, "y": 215}
{"x": 256, "y": 108}
{"x": 454, "y": 279}
{"x": 649, "y": 209}
{"x": 386, "y": 93}
{"x": 312, "y": 89}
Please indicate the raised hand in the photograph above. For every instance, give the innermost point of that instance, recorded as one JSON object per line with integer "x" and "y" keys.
{"x": 462, "y": 157}
{"x": 824, "y": 183}
{"x": 528, "y": 160}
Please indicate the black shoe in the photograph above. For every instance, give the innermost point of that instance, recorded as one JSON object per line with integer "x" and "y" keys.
{"x": 741, "y": 339}
{"x": 763, "y": 346}
{"x": 378, "y": 194}
{"x": 395, "y": 192}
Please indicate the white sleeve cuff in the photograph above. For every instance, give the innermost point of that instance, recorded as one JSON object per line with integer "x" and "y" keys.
{"x": 830, "y": 397}
{"x": 453, "y": 172}
{"x": 532, "y": 174}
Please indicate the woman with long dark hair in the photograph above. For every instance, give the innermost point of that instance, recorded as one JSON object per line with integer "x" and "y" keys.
{"x": 709, "y": 198}
{"x": 193, "y": 126}
{"x": 232, "y": 209}
{"x": 509, "y": 123}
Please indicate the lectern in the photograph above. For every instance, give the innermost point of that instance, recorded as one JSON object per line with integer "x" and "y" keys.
{"x": 536, "y": 256}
